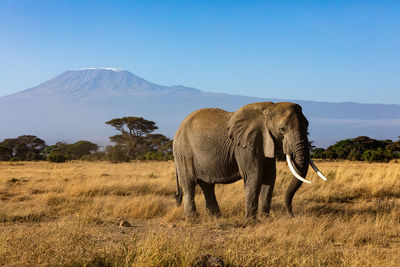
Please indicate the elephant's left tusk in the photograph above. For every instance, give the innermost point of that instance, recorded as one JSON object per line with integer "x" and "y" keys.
{"x": 289, "y": 161}
{"x": 317, "y": 171}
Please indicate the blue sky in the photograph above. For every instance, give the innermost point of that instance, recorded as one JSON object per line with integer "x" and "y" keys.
{"x": 310, "y": 50}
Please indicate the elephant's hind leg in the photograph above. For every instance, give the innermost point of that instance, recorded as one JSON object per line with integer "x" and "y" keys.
{"x": 189, "y": 206}
{"x": 209, "y": 195}
{"x": 186, "y": 181}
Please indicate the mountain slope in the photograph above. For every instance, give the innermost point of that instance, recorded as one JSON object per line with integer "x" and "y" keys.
{"x": 75, "y": 105}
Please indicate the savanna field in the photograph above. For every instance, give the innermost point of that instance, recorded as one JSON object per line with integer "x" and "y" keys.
{"x": 70, "y": 214}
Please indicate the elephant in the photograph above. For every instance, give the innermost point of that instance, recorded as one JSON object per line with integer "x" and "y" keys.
{"x": 213, "y": 146}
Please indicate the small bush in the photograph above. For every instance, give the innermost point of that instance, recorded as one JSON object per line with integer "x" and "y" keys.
{"x": 117, "y": 154}
{"x": 318, "y": 153}
{"x": 95, "y": 156}
{"x": 56, "y": 158}
{"x": 153, "y": 156}
{"x": 372, "y": 155}
{"x": 157, "y": 156}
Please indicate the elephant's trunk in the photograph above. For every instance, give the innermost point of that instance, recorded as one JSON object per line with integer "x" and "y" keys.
{"x": 301, "y": 157}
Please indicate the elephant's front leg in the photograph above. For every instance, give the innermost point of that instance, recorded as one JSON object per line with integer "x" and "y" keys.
{"x": 252, "y": 192}
{"x": 267, "y": 186}
{"x": 251, "y": 170}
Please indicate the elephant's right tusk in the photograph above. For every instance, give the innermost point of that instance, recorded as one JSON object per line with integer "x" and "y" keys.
{"x": 317, "y": 171}
{"x": 289, "y": 161}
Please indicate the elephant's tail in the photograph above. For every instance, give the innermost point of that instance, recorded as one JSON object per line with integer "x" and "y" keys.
{"x": 178, "y": 195}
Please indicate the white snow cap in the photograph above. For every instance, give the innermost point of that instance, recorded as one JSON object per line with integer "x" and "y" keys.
{"x": 113, "y": 69}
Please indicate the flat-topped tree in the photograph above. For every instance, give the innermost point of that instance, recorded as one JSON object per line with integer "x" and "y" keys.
{"x": 135, "y": 134}
{"x": 133, "y": 126}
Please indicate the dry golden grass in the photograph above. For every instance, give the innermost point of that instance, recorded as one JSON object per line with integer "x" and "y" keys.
{"x": 69, "y": 214}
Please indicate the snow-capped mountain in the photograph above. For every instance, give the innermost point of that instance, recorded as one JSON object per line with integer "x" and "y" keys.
{"x": 91, "y": 82}
{"x": 76, "y": 104}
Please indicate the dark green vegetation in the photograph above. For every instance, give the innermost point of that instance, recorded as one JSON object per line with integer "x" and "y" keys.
{"x": 135, "y": 142}
{"x": 60, "y": 152}
{"x": 361, "y": 148}
{"x": 32, "y": 148}
{"x": 24, "y": 147}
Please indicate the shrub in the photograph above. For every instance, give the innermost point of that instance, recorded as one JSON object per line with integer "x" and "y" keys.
{"x": 158, "y": 156}
{"x": 56, "y": 158}
{"x": 355, "y": 155}
{"x": 94, "y": 156}
{"x": 116, "y": 154}
{"x": 372, "y": 155}
{"x": 82, "y": 148}
{"x": 153, "y": 156}
{"x": 318, "y": 153}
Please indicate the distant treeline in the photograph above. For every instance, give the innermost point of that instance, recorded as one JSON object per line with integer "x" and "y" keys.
{"x": 361, "y": 148}
{"x": 135, "y": 142}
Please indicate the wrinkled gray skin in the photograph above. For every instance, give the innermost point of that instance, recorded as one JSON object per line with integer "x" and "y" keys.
{"x": 213, "y": 146}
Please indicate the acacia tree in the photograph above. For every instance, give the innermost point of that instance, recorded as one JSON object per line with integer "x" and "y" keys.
{"x": 136, "y": 137}
{"x": 5, "y": 152}
{"x": 72, "y": 151}
{"x": 59, "y": 148}
{"x": 133, "y": 126}
{"x": 82, "y": 148}
{"x": 159, "y": 143}
{"x": 24, "y": 147}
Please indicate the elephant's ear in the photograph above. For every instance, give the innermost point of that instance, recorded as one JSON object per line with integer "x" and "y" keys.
{"x": 247, "y": 125}
{"x": 268, "y": 144}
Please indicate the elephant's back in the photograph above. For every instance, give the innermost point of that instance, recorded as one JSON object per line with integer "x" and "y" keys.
{"x": 203, "y": 120}
{"x": 208, "y": 114}
{"x": 204, "y": 129}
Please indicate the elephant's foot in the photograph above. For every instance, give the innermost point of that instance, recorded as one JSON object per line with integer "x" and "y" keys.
{"x": 214, "y": 212}
{"x": 290, "y": 213}
{"x": 217, "y": 214}
{"x": 251, "y": 221}
{"x": 264, "y": 215}
{"x": 190, "y": 216}
{"x": 264, "y": 210}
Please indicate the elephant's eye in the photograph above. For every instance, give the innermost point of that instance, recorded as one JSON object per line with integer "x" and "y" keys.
{"x": 282, "y": 130}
